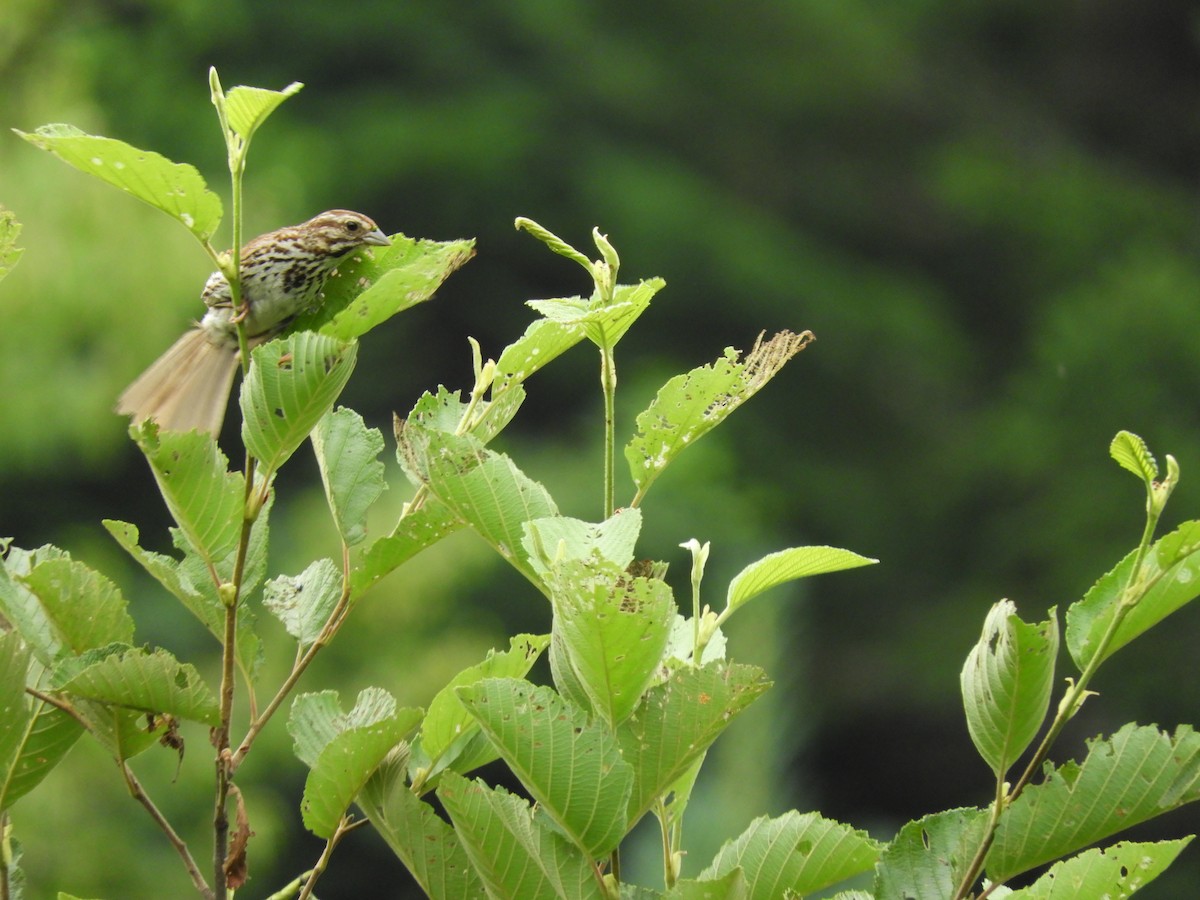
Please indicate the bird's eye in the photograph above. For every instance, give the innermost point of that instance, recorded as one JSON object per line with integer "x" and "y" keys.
{"x": 351, "y": 226}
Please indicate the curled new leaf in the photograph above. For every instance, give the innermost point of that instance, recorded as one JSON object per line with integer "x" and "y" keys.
{"x": 1132, "y": 454}
{"x": 1006, "y": 684}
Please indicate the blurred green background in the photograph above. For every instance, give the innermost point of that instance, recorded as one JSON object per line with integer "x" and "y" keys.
{"x": 986, "y": 211}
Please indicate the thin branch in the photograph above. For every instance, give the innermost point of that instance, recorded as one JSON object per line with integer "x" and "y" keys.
{"x": 139, "y": 794}
{"x": 344, "y": 826}
{"x": 334, "y": 622}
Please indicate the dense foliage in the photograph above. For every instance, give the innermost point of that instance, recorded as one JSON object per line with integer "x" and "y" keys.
{"x": 985, "y": 214}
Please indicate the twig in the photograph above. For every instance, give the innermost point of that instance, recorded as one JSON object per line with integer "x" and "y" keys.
{"x": 328, "y": 631}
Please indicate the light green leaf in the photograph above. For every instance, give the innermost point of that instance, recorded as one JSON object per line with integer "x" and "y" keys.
{"x": 788, "y": 565}
{"x": 929, "y": 857}
{"x": 198, "y": 596}
{"x": 177, "y": 189}
{"x": 543, "y": 341}
{"x": 483, "y": 488}
{"x": 689, "y": 406}
{"x": 148, "y": 682}
{"x": 678, "y": 720}
{"x": 614, "y": 630}
{"x": 730, "y": 886}
{"x": 87, "y": 609}
{"x": 1006, "y": 684}
{"x": 794, "y": 855}
{"x": 373, "y": 285}
{"x": 1137, "y": 774}
{"x": 1112, "y": 872}
{"x": 204, "y": 497}
{"x": 348, "y": 456}
{"x": 1169, "y": 579}
{"x": 1132, "y": 454}
{"x": 10, "y": 230}
{"x": 513, "y": 852}
{"x": 293, "y": 382}
{"x": 248, "y": 107}
{"x": 417, "y": 529}
{"x": 304, "y": 602}
{"x": 362, "y": 740}
{"x": 316, "y": 719}
{"x": 445, "y": 411}
{"x": 560, "y": 538}
{"x": 552, "y": 240}
{"x": 571, "y": 765}
{"x": 427, "y": 846}
{"x": 21, "y": 607}
{"x": 449, "y": 730}
{"x": 604, "y": 324}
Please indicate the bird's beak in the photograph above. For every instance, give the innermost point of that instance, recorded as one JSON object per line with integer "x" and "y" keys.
{"x": 378, "y": 238}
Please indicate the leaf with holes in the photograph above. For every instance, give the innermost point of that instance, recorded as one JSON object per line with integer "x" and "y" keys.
{"x": 689, "y": 406}
{"x": 572, "y": 766}
{"x": 175, "y": 188}
{"x": 292, "y": 383}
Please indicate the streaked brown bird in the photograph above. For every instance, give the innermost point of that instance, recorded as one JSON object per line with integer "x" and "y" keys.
{"x": 282, "y": 274}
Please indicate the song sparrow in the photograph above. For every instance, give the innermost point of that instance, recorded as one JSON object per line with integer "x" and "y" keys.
{"x": 282, "y": 274}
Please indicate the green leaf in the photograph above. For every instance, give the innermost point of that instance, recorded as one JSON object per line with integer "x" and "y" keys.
{"x": 21, "y": 607}
{"x": 552, "y": 240}
{"x": 558, "y": 538}
{"x": 1114, "y": 872}
{"x": 204, "y": 497}
{"x": 417, "y": 529}
{"x": 446, "y": 411}
{"x": 604, "y": 324}
{"x": 543, "y": 341}
{"x": 316, "y": 719}
{"x": 41, "y": 744}
{"x": 1169, "y": 579}
{"x": 1132, "y": 454}
{"x": 678, "y": 720}
{"x": 10, "y": 230}
{"x": 348, "y": 457}
{"x": 788, "y": 565}
{"x": 148, "y": 682}
{"x": 304, "y": 602}
{"x": 689, "y": 406}
{"x": 293, "y": 382}
{"x": 929, "y": 857}
{"x": 1006, "y": 684}
{"x": 248, "y": 107}
{"x": 14, "y": 711}
{"x": 343, "y": 749}
{"x": 87, "y": 609}
{"x": 514, "y": 853}
{"x": 570, "y": 765}
{"x": 426, "y": 845}
{"x": 449, "y": 730}
{"x": 198, "y": 595}
{"x": 177, "y": 189}
{"x": 794, "y": 855}
{"x": 614, "y": 630}
{"x": 730, "y": 886}
{"x": 373, "y": 285}
{"x": 1136, "y": 775}
{"x": 483, "y": 488}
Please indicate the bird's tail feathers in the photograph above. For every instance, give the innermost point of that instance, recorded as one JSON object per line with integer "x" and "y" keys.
{"x": 186, "y": 388}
